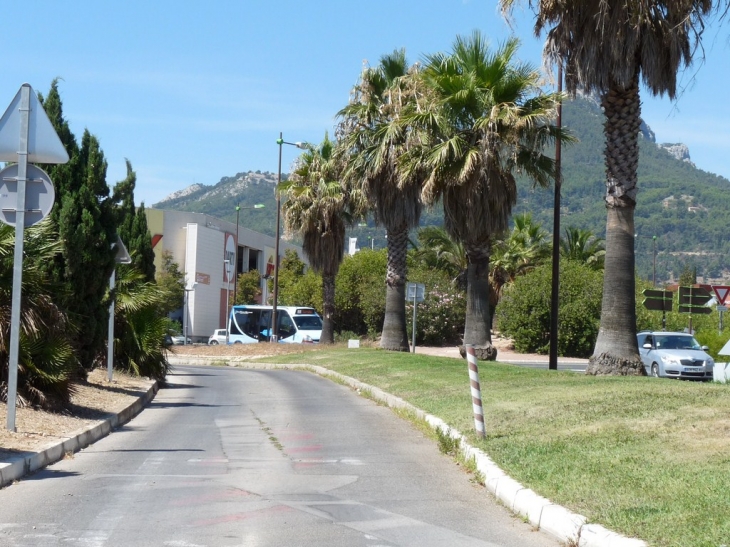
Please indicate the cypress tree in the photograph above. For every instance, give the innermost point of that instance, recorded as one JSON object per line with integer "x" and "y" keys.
{"x": 86, "y": 225}
{"x": 132, "y": 223}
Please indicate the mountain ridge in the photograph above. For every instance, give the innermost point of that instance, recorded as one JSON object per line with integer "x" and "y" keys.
{"x": 685, "y": 207}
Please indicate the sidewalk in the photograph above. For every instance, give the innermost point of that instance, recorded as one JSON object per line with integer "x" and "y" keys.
{"x": 504, "y": 355}
{"x": 14, "y": 466}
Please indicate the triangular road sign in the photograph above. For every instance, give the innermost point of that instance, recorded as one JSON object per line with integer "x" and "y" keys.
{"x": 44, "y": 146}
{"x": 721, "y": 292}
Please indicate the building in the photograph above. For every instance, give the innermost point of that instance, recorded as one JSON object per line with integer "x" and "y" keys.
{"x": 200, "y": 244}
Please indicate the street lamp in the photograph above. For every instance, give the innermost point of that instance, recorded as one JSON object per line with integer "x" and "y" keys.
{"x": 227, "y": 266}
{"x": 235, "y": 269}
{"x": 555, "y": 284}
{"x": 274, "y": 327}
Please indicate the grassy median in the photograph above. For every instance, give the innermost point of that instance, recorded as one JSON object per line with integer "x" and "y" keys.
{"x": 644, "y": 457}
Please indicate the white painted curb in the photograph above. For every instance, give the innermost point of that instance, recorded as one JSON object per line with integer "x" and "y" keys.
{"x": 22, "y": 465}
{"x": 539, "y": 512}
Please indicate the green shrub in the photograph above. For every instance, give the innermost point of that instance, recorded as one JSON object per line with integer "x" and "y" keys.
{"x": 360, "y": 292}
{"x": 524, "y": 310}
{"x": 301, "y": 290}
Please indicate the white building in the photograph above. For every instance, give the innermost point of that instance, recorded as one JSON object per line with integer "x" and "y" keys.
{"x": 200, "y": 244}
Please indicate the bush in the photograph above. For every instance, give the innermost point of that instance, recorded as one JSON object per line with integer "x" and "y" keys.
{"x": 524, "y": 310}
{"x": 360, "y": 292}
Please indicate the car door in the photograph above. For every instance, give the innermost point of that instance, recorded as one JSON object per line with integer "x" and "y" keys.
{"x": 645, "y": 353}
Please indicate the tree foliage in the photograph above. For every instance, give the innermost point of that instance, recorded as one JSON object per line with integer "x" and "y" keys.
{"x": 46, "y": 361}
{"x": 524, "y": 312}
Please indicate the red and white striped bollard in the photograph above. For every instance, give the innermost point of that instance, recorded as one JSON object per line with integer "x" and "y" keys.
{"x": 476, "y": 391}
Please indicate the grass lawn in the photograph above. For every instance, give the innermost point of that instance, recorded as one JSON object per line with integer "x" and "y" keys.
{"x": 643, "y": 457}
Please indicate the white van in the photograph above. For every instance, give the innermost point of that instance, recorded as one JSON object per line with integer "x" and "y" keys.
{"x": 251, "y": 324}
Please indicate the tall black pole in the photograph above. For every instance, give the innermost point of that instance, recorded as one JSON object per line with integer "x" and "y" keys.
{"x": 553, "y": 365}
{"x": 235, "y": 266}
{"x": 654, "y": 274}
{"x": 274, "y": 328}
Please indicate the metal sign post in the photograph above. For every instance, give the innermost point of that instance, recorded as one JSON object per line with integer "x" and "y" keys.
{"x": 721, "y": 293}
{"x": 415, "y": 292}
{"x": 693, "y": 300}
{"x": 26, "y": 135}
{"x": 122, "y": 257}
{"x": 659, "y": 300}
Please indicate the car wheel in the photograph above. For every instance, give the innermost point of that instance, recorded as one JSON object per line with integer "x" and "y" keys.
{"x": 214, "y": 342}
{"x": 655, "y": 370}
{"x": 237, "y": 342}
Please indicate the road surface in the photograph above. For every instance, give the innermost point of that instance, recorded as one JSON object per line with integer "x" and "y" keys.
{"x": 232, "y": 457}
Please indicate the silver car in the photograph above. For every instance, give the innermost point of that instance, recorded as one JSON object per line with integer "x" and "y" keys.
{"x": 218, "y": 337}
{"x": 674, "y": 355}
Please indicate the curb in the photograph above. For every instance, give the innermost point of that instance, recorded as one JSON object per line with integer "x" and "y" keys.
{"x": 19, "y": 466}
{"x": 540, "y": 512}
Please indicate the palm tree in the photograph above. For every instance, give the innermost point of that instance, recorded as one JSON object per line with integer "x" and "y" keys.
{"x": 583, "y": 246}
{"x": 485, "y": 121}
{"x": 46, "y": 361}
{"x": 372, "y": 139}
{"x": 606, "y": 47}
{"x": 139, "y": 324}
{"x": 319, "y": 207}
{"x": 441, "y": 252}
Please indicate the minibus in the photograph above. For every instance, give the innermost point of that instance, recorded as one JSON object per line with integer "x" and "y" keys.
{"x": 249, "y": 324}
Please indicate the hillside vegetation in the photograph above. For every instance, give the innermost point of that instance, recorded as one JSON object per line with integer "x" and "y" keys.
{"x": 686, "y": 208}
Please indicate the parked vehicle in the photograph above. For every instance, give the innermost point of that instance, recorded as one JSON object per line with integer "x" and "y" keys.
{"x": 674, "y": 355}
{"x": 218, "y": 337}
{"x": 296, "y": 324}
{"x": 179, "y": 340}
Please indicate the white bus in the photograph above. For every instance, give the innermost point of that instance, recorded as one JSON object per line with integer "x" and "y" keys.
{"x": 251, "y": 324}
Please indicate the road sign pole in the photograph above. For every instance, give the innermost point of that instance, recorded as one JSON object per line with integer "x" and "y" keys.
{"x": 414, "y": 319}
{"x": 720, "y": 312}
{"x": 18, "y": 257}
{"x": 26, "y": 135}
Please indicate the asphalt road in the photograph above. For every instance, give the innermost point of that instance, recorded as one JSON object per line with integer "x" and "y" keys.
{"x": 232, "y": 457}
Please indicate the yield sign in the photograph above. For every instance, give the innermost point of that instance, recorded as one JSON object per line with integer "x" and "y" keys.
{"x": 721, "y": 291}
{"x": 44, "y": 146}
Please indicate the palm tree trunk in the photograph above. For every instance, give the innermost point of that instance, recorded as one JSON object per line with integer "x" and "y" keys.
{"x": 477, "y": 330}
{"x": 395, "y": 335}
{"x": 616, "y": 350}
{"x": 328, "y": 297}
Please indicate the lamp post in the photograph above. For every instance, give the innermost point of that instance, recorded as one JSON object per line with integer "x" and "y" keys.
{"x": 274, "y": 327}
{"x": 555, "y": 287}
{"x": 227, "y": 267}
{"x": 654, "y": 266}
{"x": 235, "y": 268}
{"x": 653, "y": 276}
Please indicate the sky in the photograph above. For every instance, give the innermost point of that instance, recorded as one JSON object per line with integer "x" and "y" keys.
{"x": 190, "y": 92}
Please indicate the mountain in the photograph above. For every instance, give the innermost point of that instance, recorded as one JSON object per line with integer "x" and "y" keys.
{"x": 687, "y": 209}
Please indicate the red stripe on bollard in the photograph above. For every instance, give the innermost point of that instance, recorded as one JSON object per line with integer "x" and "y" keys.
{"x": 476, "y": 391}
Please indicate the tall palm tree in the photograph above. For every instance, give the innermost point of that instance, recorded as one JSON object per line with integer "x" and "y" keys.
{"x": 485, "y": 121}
{"x": 319, "y": 207}
{"x": 583, "y": 246}
{"x": 606, "y": 47}
{"x": 372, "y": 139}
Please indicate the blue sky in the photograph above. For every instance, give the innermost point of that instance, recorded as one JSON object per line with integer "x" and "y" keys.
{"x": 190, "y": 92}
